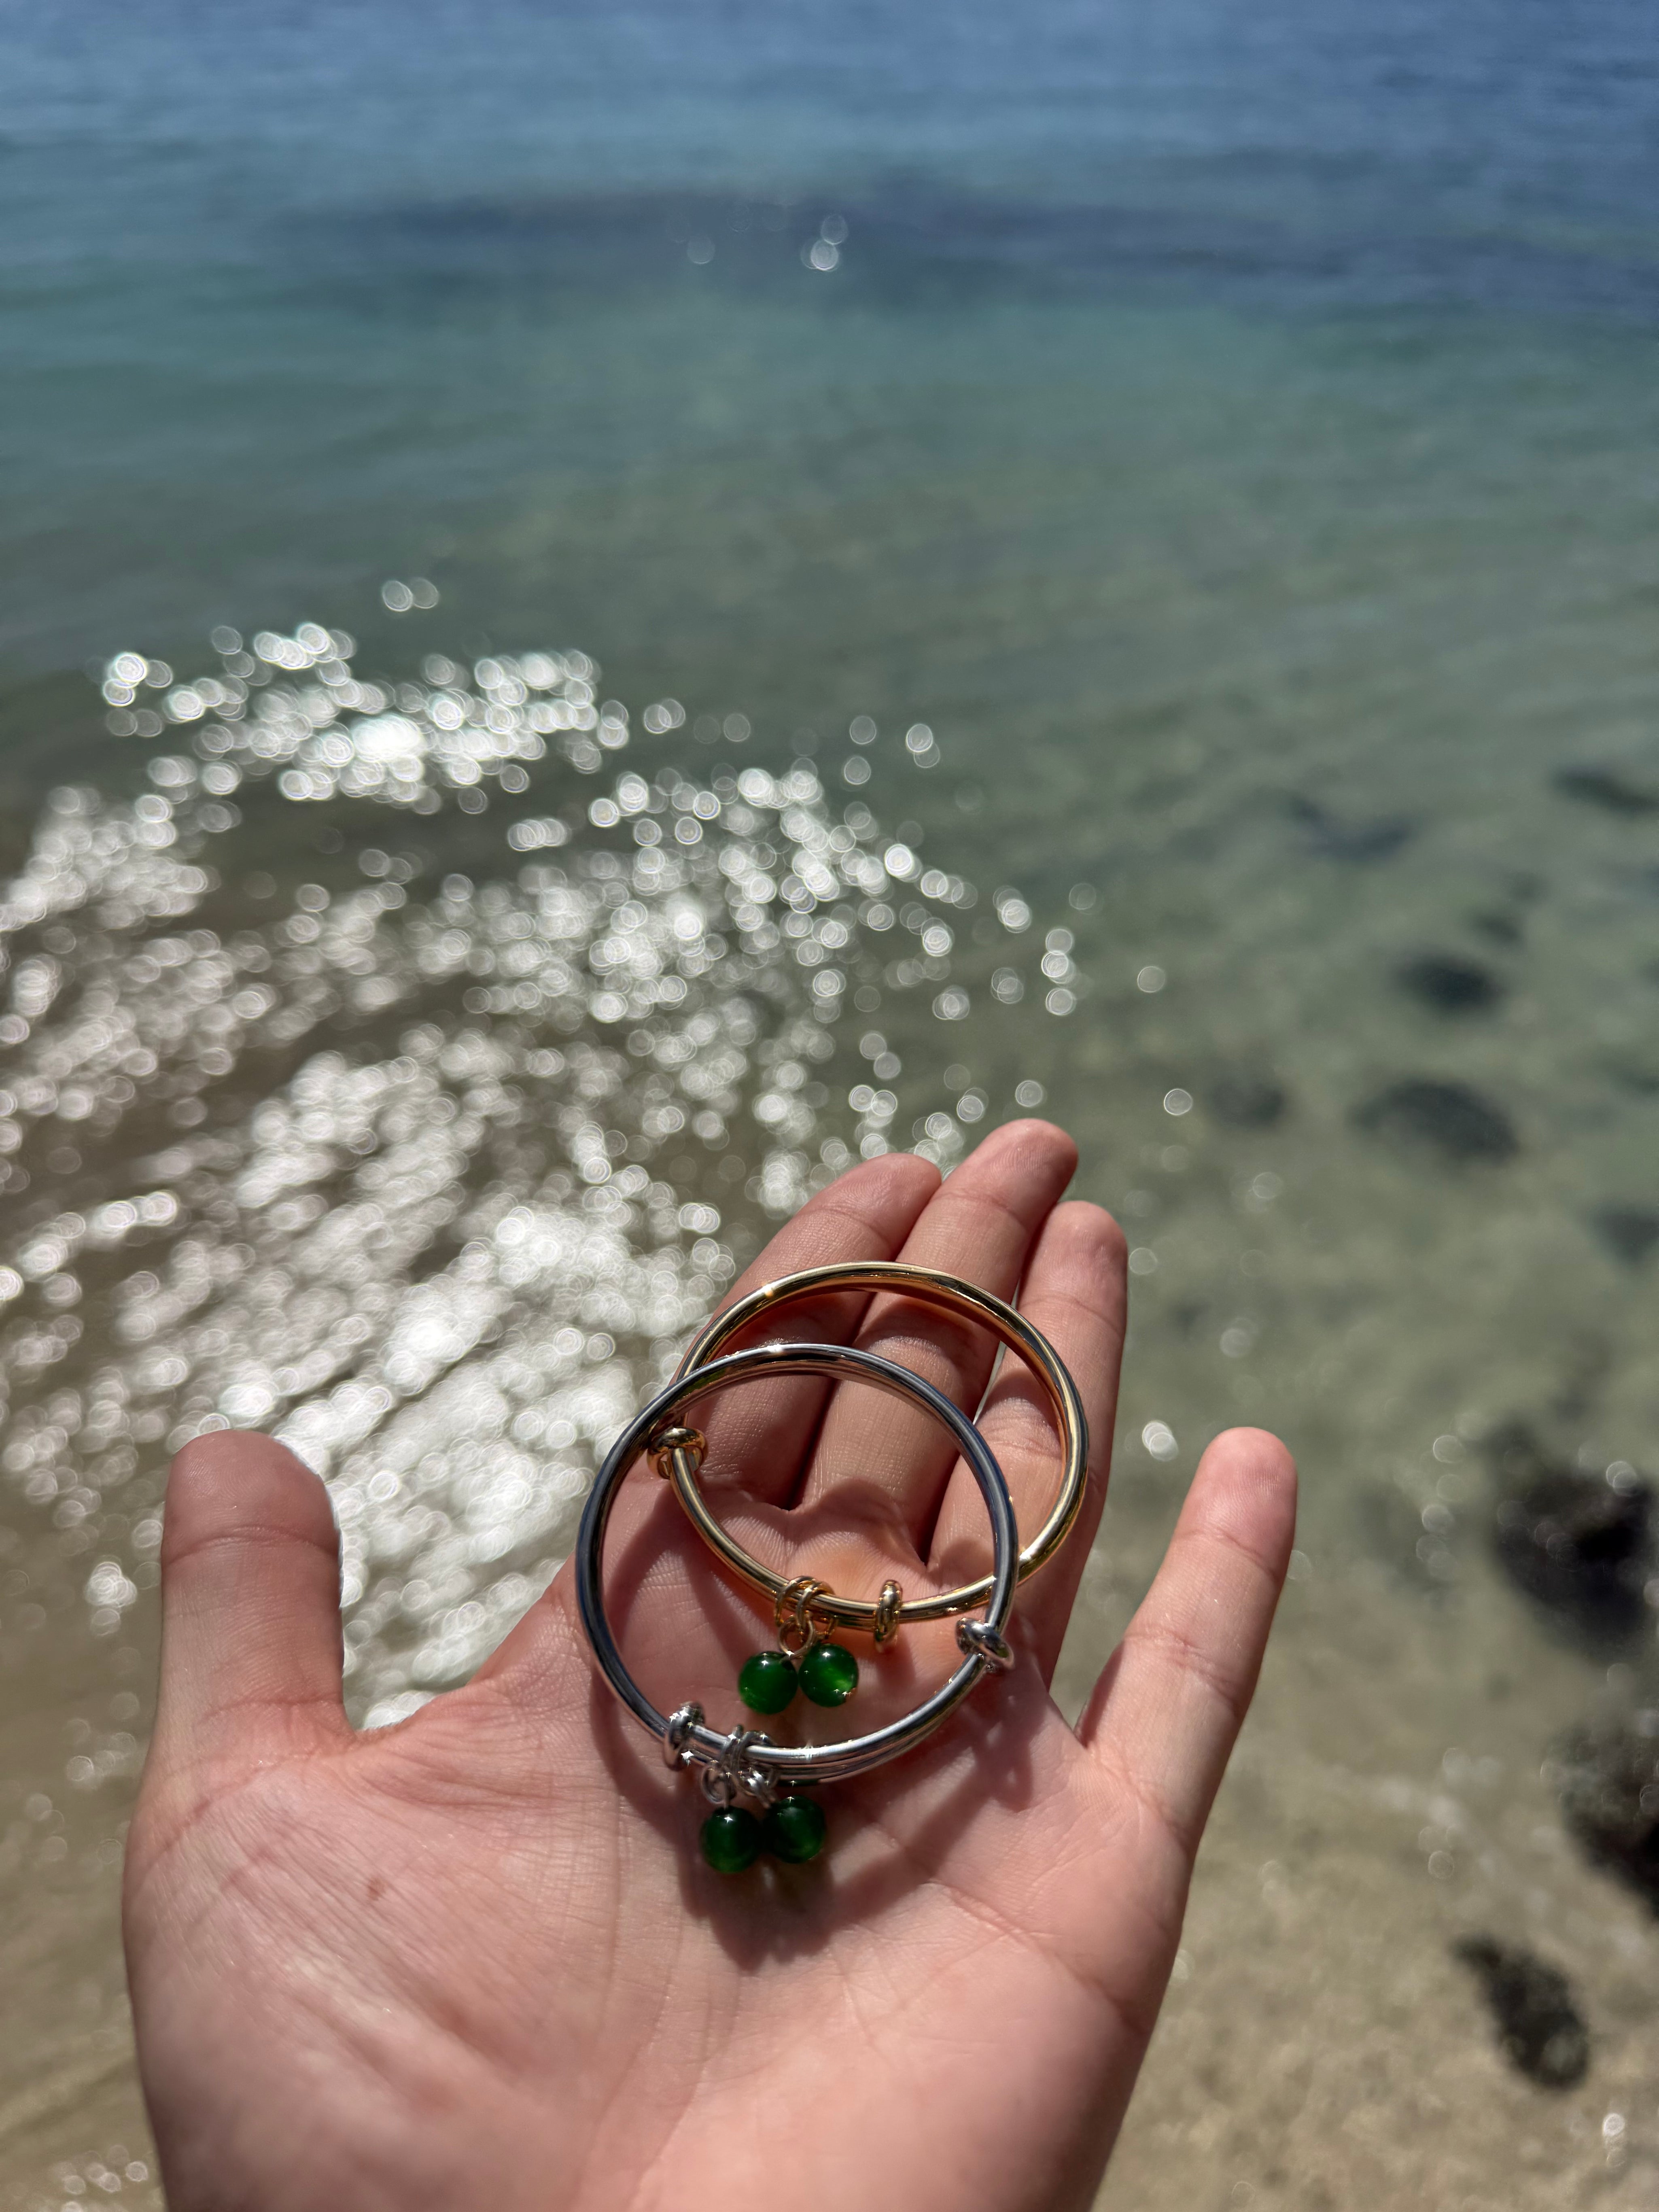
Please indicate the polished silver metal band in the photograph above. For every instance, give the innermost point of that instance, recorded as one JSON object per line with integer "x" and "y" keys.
{"x": 686, "y": 1739}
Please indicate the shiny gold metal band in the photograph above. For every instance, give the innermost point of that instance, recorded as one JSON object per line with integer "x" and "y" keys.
{"x": 928, "y": 1286}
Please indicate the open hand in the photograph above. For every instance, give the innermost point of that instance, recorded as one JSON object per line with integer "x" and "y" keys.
{"x": 474, "y": 1963}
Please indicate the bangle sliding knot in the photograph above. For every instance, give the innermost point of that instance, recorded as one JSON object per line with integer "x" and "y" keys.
{"x": 666, "y": 1442}
{"x": 885, "y": 1626}
{"x": 980, "y": 1641}
{"x": 676, "y": 1737}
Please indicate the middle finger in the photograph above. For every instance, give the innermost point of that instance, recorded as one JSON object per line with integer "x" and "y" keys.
{"x": 882, "y": 1467}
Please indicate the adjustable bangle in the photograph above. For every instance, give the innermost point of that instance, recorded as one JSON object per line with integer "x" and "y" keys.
{"x": 743, "y": 1762}
{"x": 679, "y": 1454}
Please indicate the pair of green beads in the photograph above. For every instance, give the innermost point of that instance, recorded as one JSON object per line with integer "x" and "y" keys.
{"x": 828, "y": 1674}
{"x": 793, "y": 1830}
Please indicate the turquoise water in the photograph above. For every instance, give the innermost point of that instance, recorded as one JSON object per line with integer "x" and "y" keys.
{"x": 1230, "y": 441}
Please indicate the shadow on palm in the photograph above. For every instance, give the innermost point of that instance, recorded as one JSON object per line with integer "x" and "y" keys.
{"x": 891, "y": 1834}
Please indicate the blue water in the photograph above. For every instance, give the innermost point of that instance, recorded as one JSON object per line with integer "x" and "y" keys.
{"x": 295, "y": 294}
{"x": 1235, "y": 432}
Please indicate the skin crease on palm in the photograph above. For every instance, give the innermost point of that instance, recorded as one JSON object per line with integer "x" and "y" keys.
{"x": 475, "y": 1960}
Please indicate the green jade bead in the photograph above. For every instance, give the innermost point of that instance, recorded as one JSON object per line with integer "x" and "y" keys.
{"x": 767, "y": 1683}
{"x": 731, "y": 1840}
{"x": 828, "y": 1673}
{"x": 794, "y": 1830}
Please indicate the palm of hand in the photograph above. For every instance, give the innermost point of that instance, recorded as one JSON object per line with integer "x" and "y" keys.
{"x": 476, "y": 1961}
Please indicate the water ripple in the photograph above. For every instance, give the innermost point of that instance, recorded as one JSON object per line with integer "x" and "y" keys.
{"x": 428, "y": 1177}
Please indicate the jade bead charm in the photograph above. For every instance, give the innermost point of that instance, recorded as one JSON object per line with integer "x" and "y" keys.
{"x": 767, "y": 1683}
{"x": 793, "y": 1830}
{"x": 756, "y": 1790}
{"x": 828, "y": 1673}
{"x": 825, "y": 1673}
{"x": 731, "y": 1840}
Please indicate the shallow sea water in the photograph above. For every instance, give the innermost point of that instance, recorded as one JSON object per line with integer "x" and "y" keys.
{"x": 1164, "y": 618}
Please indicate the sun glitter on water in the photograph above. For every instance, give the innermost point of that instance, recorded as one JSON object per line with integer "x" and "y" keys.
{"x": 430, "y": 1172}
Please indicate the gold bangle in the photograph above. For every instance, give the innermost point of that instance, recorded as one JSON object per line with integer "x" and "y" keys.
{"x": 928, "y": 1286}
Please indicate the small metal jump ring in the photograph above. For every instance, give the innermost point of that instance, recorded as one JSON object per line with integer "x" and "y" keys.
{"x": 718, "y": 1787}
{"x": 755, "y": 1782}
{"x": 734, "y": 1771}
{"x": 676, "y": 1742}
{"x": 792, "y": 1615}
{"x": 885, "y": 1626}
{"x": 980, "y": 1641}
{"x": 672, "y": 1440}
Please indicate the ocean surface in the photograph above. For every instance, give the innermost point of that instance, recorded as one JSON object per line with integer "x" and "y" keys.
{"x": 607, "y": 609}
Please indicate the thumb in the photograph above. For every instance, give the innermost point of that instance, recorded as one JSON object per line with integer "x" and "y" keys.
{"x": 251, "y": 1646}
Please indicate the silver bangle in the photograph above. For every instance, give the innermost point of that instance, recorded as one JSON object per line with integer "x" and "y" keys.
{"x": 760, "y": 1767}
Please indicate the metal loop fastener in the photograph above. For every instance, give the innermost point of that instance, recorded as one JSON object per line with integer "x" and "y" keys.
{"x": 676, "y": 1737}
{"x": 797, "y": 1631}
{"x": 885, "y": 1626}
{"x": 928, "y": 1286}
{"x": 718, "y": 1787}
{"x": 668, "y": 1441}
{"x": 735, "y": 1770}
{"x": 978, "y": 1636}
{"x": 743, "y": 1758}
